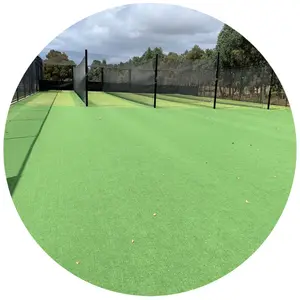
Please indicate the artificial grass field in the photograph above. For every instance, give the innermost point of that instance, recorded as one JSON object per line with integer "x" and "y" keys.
{"x": 86, "y": 181}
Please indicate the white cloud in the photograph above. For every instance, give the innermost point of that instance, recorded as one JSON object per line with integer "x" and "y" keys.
{"x": 129, "y": 30}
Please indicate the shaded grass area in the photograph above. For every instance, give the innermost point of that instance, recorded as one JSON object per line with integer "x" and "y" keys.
{"x": 96, "y": 176}
{"x": 135, "y": 98}
{"x": 197, "y": 101}
{"x": 208, "y": 101}
{"x": 97, "y": 99}
{"x": 188, "y": 99}
{"x": 24, "y": 123}
{"x": 222, "y": 103}
{"x": 185, "y": 100}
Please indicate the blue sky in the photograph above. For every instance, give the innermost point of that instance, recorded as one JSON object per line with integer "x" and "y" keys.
{"x": 126, "y": 31}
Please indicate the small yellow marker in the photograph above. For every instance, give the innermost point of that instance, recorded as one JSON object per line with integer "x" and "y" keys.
{"x": 247, "y": 201}
{"x": 77, "y": 262}
{"x": 154, "y": 214}
{"x": 132, "y": 241}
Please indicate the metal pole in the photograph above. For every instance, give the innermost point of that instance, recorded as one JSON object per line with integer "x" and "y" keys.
{"x": 24, "y": 85}
{"x": 18, "y": 93}
{"x": 217, "y": 79}
{"x": 129, "y": 79}
{"x": 155, "y": 80}
{"x": 102, "y": 79}
{"x": 270, "y": 90}
{"x": 86, "y": 79}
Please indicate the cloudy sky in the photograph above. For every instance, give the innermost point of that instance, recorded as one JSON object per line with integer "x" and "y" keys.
{"x": 126, "y": 31}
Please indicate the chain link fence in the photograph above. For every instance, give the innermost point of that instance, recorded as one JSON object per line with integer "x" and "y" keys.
{"x": 30, "y": 82}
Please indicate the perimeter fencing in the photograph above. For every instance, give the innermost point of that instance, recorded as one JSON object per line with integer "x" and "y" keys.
{"x": 188, "y": 81}
{"x": 251, "y": 86}
{"x": 30, "y": 82}
{"x": 244, "y": 86}
{"x": 158, "y": 79}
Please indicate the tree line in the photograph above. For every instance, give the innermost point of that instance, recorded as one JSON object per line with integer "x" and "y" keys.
{"x": 241, "y": 66}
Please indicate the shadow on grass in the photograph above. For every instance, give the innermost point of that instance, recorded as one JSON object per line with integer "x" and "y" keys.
{"x": 12, "y": 182}
{"x": 182, "y": 100}
{"x": 135, "y": 98}
{"x": 21, "y": 134}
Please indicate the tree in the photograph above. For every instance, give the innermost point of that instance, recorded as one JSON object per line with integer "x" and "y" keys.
{"x": 236, "y": 51}
{"x": 195, "y": 53}
{"x": 95, "y": 70}
{"x": 58, "y": 66}
{"x": 210, "y": 54}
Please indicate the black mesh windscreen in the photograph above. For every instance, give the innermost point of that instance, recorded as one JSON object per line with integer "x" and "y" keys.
{"x": 186, "y": 81}
{"x": 244, "y": 86}
{"x": 79, "y": 80}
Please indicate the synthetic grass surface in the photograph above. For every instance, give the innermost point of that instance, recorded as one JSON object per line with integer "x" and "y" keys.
{"x": 23, "y": 125}
{"x": 96, "y": 176}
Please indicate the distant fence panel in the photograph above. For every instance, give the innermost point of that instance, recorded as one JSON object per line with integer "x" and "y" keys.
{"x": 129, "y": 78}
{"x": 244, "y": 86}
{"x": 191, "y": 80}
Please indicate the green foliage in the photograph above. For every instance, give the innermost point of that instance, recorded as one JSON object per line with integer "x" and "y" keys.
{"x": 236, "y": 51}
{"x": 195, "y": 53}
{"x": 58, "y": 66}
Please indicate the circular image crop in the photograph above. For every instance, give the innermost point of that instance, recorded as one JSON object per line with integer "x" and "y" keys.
{"x": 150, "y": 149}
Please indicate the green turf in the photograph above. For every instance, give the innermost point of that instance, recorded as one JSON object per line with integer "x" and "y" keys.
{"x": 96, "y": 176}
{"x": 24, "y": 123}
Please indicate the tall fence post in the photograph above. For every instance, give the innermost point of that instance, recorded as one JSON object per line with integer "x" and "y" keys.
{"x": 102, "y": 78}
{"x": 155, "y": 79}
{"x": 241, "y": 89}
{"x": 86, "y": 79}
{"x": 73, "y": 67}
{"x": 217, "y": 79}
{"x": 270, "y": 90}
{"x": 72, "y": 75}
{"x": 36, "y": 75}
{"x": 129, "y": 79}
{"x": 29, "y": 81}
{"x": 17, "y": 93}
{"x": 24, "y": 86}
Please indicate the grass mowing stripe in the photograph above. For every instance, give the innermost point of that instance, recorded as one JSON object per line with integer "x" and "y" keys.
{"x": 229, "y": 102}
{"x": 192, "y": 97}
{"x": 133, "y": 97}
{"x": 181, "y": 100}
{"x": 97, "y": 99}
{"x": 24, "y": 98}
{"x": 15, "y": 183}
